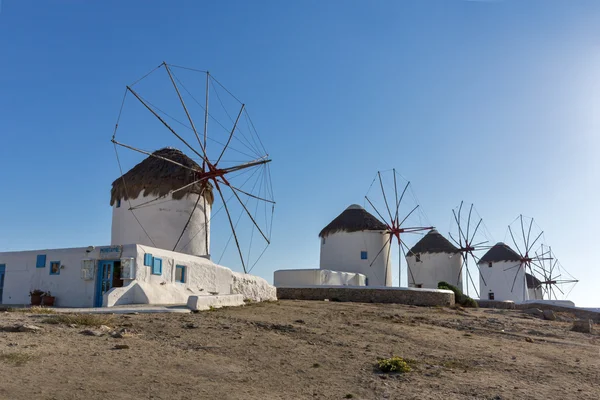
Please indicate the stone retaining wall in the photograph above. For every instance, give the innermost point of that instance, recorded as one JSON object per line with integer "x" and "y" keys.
{"x": 410, "y": 296}
{"x": 507, "y": 305}
{"x": 579, "y": 313}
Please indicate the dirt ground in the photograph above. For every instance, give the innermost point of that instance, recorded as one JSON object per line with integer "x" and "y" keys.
{"x": 301, "y": 350}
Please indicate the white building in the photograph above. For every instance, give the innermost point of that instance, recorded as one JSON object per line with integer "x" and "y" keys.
{"x": 118, "y": 275}
{"x": 502, "y": 275}
{"x": 432, "y": 260}
{"x": 130, "y": 270}
{"x": 356, "y": 241}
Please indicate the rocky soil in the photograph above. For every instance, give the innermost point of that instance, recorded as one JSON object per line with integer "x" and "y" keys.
{"x": 298, "y": 350}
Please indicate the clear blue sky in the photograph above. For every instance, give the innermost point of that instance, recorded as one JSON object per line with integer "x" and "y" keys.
{"x": 493, "y": 102}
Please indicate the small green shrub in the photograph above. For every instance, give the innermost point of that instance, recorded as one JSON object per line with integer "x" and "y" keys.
{"x": 459, "y": 296}
{"x": 394, "y": 364}
{"x": 469, "y": 302}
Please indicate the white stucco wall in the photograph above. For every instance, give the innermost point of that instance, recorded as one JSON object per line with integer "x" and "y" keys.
{"x": 562, "y": 303}
{"x": 202, "y": 277}
{"x": 311, "y": 277}
{"x": 341, "y": 252}
{"x": 534, "y": 294}
{"x": 68, "y": 287}
{"x": 500, "y": 281}
{"x": 434, "y": 268}
{"x": 252, "y": 287}
{"x": 164, "y": 221}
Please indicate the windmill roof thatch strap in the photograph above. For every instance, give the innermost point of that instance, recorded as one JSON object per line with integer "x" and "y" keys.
{"x": 500, "y": 252}
{"x": 157, "y": 177}
{"x": 433, "y": 242}
{"x": 353, "y": 219}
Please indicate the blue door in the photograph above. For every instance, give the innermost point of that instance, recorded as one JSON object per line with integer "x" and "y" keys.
{"x": 104, "y": 280}
{"x": 2, "y": 273}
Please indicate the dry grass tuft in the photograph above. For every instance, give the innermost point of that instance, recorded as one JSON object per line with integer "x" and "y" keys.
{"x": 16, "y": 358}
{"x": 33, "y": 310}
{"x": 81, "y": 319}
{"x": 456, "y": 364}
{"x": 266, "y": 303}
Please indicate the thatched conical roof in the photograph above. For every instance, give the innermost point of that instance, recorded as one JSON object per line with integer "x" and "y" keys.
{"x": 157, "y": 177}
{"x": 353, "y": 219}
{"x": 500, "y": 252}
{"x": 532, "y": 281}
{"x": 433, "y": 242}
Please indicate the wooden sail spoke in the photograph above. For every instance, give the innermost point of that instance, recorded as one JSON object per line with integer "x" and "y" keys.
{"x": 165, "y": 123}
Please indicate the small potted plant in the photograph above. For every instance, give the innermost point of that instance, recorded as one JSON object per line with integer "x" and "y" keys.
{"x": 36, "y": 297}
{"x": 48, "y": 299}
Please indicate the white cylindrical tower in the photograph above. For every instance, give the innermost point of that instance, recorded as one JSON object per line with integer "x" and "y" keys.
{"x": 149, "y": 209}
{"x": 433, "y": 260}
{"x": 356, "y": 241}
{"x": 534, "y": 288}
{"x": 502, "y": 275}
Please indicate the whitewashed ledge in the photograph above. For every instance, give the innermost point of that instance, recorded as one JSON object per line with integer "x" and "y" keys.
{"x": 200, "y": 303}
{"x": 368, "y": 294}
{"x": 129, "y": 309}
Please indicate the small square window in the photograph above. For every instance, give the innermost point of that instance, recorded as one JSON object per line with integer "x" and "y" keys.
{"x": 148, "y": 260}
{"x": 41, "y": 261}
{"x": 118, "y": 203}
{"x": 180, "y": 273}
{"x": 363, "y": 255}
{"x": 491, "y": 296}
{"x": 490, "y": 265}
{"x": 418, "y": 257}
{"x": 54, "y": 267}
{"x": 157, "y": 266}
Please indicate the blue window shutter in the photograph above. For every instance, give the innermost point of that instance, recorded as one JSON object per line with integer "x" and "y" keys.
{"x": 41, "y": 261}
{"x": 363, "y": 255}
{"x": 148, "y": 259}
{"x": 157, "y": 266}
